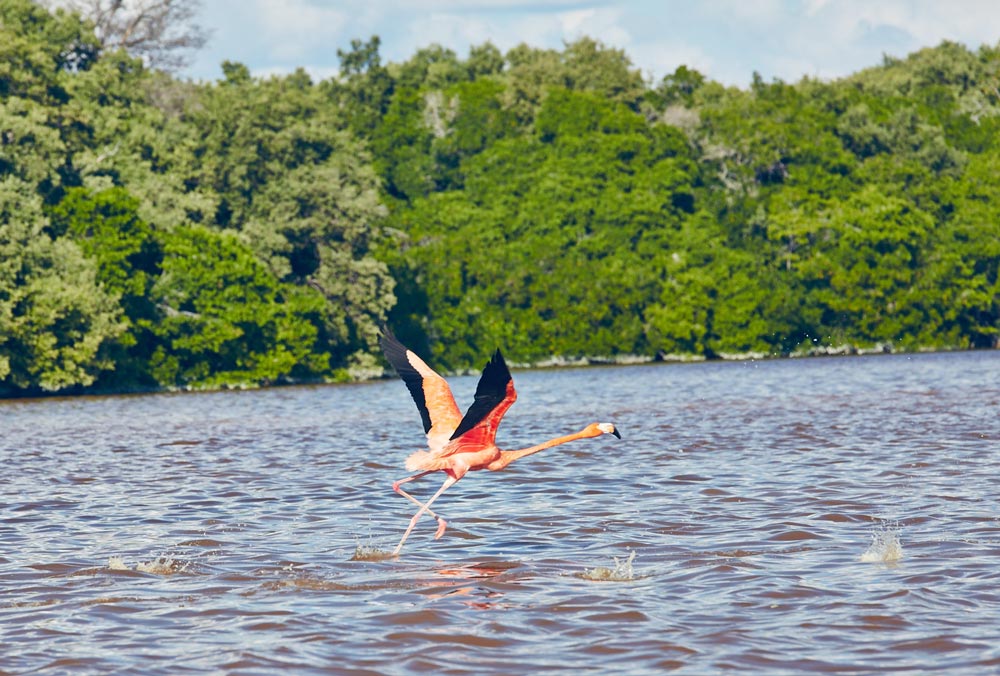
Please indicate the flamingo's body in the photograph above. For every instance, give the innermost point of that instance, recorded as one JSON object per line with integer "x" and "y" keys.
{"x": 459, "y": 444}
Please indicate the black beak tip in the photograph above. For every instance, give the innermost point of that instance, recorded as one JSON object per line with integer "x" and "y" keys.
{"x": 616, "y": 433}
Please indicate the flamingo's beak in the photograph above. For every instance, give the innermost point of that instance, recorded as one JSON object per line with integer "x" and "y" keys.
{"x": 616, "y": 433}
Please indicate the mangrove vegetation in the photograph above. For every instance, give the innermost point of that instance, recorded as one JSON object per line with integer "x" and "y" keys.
{"x": 161, "y": 233}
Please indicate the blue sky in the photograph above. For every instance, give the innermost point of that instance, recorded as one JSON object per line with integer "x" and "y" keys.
{"x": 725, "y": 39}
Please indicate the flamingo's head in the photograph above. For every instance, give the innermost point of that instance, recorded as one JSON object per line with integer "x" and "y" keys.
{"x": 608, "y": 428}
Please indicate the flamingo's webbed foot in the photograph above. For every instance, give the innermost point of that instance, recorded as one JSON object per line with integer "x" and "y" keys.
{"x": 442, "y": 524}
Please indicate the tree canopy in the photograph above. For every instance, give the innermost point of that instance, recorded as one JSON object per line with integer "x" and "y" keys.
{"x": 156, "y": 232}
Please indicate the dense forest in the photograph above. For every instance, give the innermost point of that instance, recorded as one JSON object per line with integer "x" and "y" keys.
{"x": 162, "y": 233}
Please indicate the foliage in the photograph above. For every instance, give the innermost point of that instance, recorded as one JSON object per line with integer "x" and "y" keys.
{"x": 163, "y": 233}
{"x": 134, "y": 169}
{"x": 56, "y": 320}
{"x": 226, "y": 319}
{"x": 107, "y": 228}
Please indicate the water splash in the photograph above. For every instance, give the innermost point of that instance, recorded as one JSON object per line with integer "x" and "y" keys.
{"x": 117, "y": 563}
{"x": 885, "y": 546}
{"x": 161, "y": 565}
{"x": 370, "y": 552}
{"x": 621, "y": 572}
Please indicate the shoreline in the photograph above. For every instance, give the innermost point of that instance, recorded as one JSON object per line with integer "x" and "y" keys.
{"x": 541, "y": 364}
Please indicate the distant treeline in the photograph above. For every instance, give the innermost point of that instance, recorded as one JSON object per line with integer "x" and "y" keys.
{"x": 156, "y": 232}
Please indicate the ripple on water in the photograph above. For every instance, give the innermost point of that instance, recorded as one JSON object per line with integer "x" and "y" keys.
{"x": 251, "y": 531}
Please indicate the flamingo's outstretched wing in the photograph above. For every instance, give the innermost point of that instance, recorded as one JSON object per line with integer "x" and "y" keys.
{"x": 431, "y": 393}
{"x": 494, "y": 395}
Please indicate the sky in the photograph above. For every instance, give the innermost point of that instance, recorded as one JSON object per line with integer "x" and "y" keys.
{"x": 727, "y": 40}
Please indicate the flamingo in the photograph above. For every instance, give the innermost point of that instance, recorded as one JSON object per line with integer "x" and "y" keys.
{"x": 459, "y": 444}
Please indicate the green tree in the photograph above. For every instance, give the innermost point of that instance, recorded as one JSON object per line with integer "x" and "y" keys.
{"x": 316, "y": 227}
{"x": 37, "y": 47}
{"x": 430, "y": 68}
{"x": 57, "y": 321}
{"x": 227, "y": 320}
{"x": 401, "y": 147}
{"x": 547, "y": 247}
{"x": 594, "y": 67}
{"x": 678, "y": 88}
{"x": 961, "y": 288}
{"x": 37, "y": 52}
{"x": 477, "y": 121}
{"x": 366, "y": 87}
{"x": 864, "y": 277}
{"x": 109, "y": 231}
{"x": 484, "y": 60}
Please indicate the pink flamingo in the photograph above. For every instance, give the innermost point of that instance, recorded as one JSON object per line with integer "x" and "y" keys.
{"x": 459, "y": 444}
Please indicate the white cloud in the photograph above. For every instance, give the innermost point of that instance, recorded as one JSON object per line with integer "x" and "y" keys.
{"x": 455, "y": 31}
{"x": 659, "y": 59}
{"x": 841, "y": 24}
{"x": 814, "y": 6}
{"x": 483, "y": 5}
{"x": 829, "y": 39}
{"x": 930, "y": 22}
{"x": 750, "y": 13}
{"x": 292, "y": 27}
{"x": 460, "y": 30}
{"x": 724, "y": 39}
{"x": 599, "y": 23}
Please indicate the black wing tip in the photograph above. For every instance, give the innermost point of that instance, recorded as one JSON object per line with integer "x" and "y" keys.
{"x": 497, "y": 360}
{"x": 395, "y": 353}
{"x": 491, "y": 390}
{"x": 386, "y": 337}
{"x": 393, "y": 350}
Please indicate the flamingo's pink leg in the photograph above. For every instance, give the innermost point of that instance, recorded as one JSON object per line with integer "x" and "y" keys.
{"x": 450, "y": 481}
{"x": 442, "y": 524}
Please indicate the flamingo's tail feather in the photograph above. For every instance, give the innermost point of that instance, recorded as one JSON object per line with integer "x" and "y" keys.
{"x": 422, "y": 461}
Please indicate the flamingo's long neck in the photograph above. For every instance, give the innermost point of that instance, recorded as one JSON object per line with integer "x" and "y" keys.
{"x": 507, "y": 457}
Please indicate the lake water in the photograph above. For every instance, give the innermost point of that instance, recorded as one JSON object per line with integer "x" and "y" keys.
{"x": 836, "y": 515}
